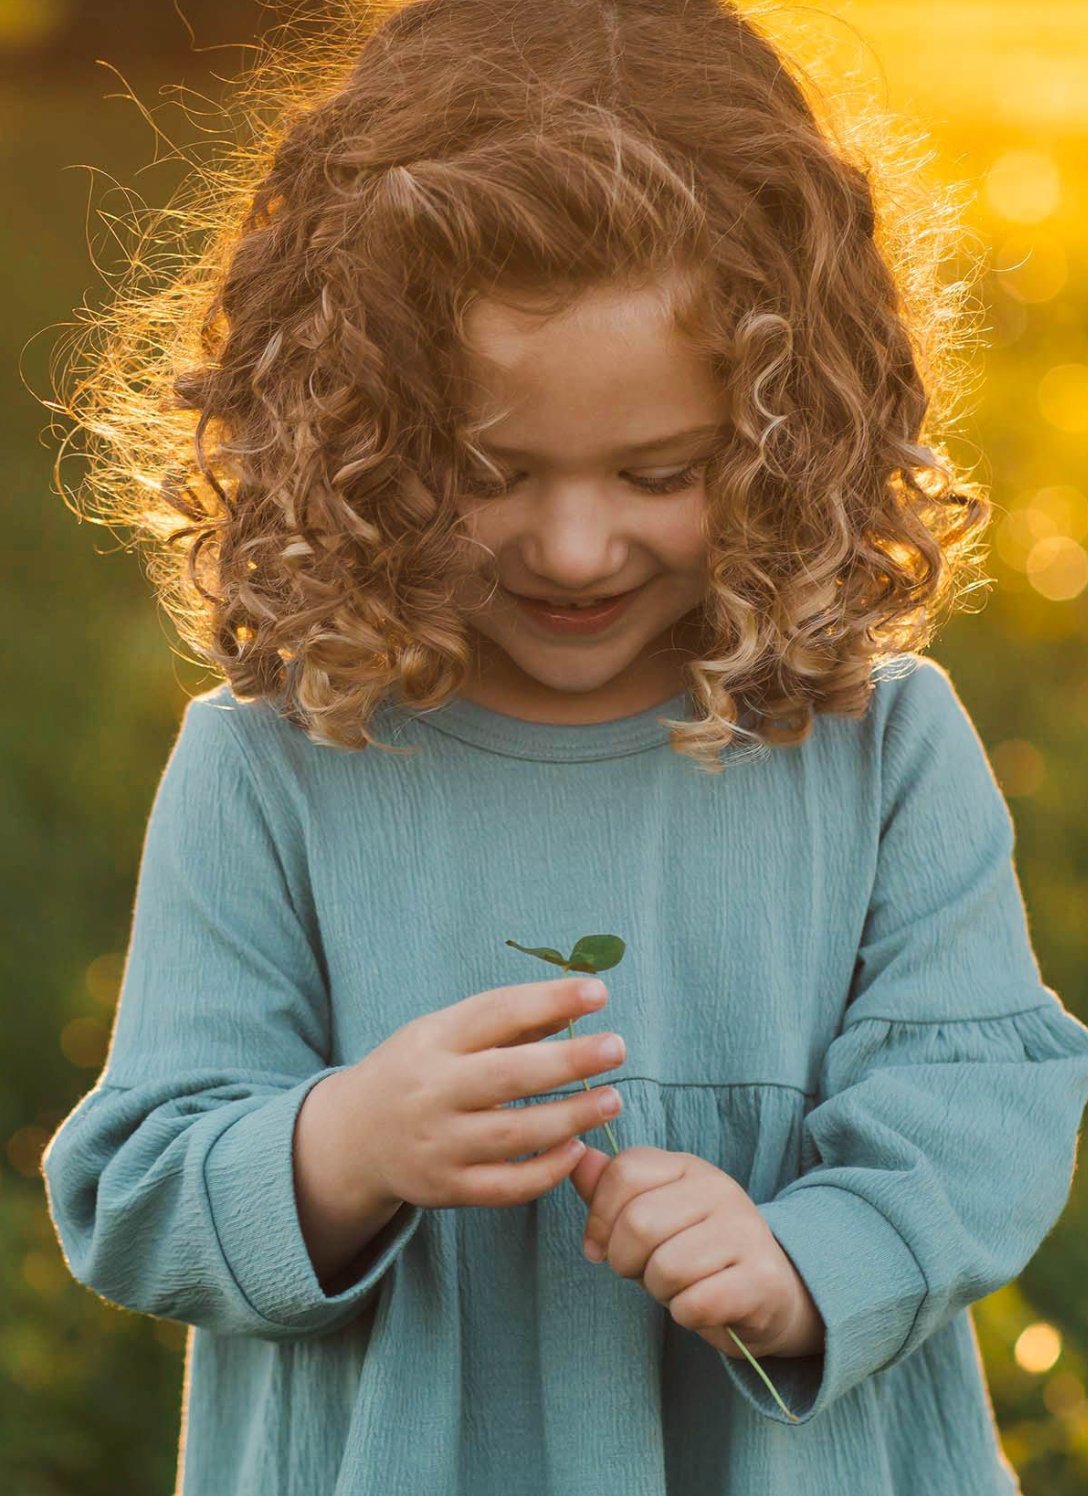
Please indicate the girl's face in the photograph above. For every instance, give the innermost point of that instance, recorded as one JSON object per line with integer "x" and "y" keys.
{"x": 575, "y": 515}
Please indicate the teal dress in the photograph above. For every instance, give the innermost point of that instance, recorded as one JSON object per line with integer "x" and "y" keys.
{"x": 829, "y": 992}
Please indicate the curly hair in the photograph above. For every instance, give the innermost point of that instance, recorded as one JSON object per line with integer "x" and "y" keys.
{"x": 293, "y": 392}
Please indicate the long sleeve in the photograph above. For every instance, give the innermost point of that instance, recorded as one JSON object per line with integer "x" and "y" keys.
{"x": 942, "y": 1147}
{"x": 171, "y": 1183}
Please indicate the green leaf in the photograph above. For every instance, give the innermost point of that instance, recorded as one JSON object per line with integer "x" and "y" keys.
{"x": 591, "y": 953}
{"x": 597, "y": 953}
{"x": 545, "y": 952}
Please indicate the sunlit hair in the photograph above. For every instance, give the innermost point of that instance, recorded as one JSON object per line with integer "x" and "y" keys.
{"x": 281, "y": 414}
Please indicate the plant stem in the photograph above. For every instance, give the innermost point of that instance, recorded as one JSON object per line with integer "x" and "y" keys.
{"x": 744, "y": 1348}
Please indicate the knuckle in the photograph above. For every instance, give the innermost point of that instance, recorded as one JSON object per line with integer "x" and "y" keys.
{"x": 509, "y": 1131}
{"x": 670, "y": 1280}
{"x": 639, "y": 1221}
{"x": 436, "y": 1174}
{"x": 762, "y": 1323}
{"x": 685, "y": 1311}
{"x": 622, "y": 1169}
{"x": 672, "y": 1285}
{"x": 458, "y": 1192}
{"x": 500, "y": 1071}
{"x": 505, "y": 1192}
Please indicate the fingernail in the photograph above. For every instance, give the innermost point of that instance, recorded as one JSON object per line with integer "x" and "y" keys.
{"x": 593, "y": 1251}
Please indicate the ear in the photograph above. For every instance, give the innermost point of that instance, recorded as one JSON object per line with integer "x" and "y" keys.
{"x": 587, "y": 1171}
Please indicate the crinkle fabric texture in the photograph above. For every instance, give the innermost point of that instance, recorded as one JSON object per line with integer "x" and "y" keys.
{"x": 829, "y": 992}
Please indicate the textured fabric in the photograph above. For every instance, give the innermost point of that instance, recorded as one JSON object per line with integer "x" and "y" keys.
{"x": 829, "y": 991}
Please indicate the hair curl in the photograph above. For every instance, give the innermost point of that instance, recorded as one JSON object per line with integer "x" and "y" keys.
{"x": 292, "y": 391}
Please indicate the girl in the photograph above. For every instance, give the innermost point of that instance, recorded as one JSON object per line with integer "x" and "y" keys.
{"x": 530, "y": 306}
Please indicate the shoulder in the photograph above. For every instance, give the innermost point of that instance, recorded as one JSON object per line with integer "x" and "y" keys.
{"x": 246, "y": 746}
{"x": 916, "y": 701}
{"x": 218, "y": 710}
{"x": 904, "y": 682}
{"x": 930, "y": 747}
{"x": 910, "y": 696}
{"x": 230, "y": 725}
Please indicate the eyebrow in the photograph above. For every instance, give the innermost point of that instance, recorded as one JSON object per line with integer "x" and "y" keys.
{"x": 652, "y": 445}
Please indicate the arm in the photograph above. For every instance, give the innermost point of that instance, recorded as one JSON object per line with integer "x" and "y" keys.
{"x": 942, "y": 1147}
{"x": 171, "y": 1184}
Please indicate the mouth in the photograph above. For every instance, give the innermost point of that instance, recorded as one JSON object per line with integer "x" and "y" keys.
{"x": 568, "y": 619}
{"x": 598, "y": 600}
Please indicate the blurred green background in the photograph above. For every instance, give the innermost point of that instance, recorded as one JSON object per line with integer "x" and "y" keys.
{"x": 90, "y": 1395}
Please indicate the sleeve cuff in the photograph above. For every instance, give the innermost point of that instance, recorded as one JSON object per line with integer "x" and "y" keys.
{"x": 866, "y": 1284}
{"x": 249, "y": 1177}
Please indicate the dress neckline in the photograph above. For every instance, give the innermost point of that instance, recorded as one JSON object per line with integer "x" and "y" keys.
{"x": 567, "y": 742}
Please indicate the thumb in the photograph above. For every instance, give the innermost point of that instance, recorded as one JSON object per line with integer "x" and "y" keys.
{"x": 587, "y": 1171}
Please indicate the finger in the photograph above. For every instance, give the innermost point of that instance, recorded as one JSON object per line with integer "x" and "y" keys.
{"x": 494, "y": 1184}
{"x": 514, "y": 1072}
{"x": 630, "y": 1174}
{"x": 545, "y": 1031}
{"x": 723, "y": 1299}
{"x": 694, "y": 1252}
{"x": 588, "y": 1170}
{"x": 490, "y": 1019}
{"x": 511, "y": 1132}
{"x": 647, "y": 1224}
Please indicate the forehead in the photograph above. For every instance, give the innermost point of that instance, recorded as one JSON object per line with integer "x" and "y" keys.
{"x": 606, "y": 373}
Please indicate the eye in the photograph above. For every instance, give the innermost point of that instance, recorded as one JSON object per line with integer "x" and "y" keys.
{"x": 669, "y": 483}
{"x": 482, "y": 488}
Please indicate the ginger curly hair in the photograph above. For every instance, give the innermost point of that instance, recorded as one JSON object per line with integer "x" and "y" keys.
{"x": 292, "y": 393}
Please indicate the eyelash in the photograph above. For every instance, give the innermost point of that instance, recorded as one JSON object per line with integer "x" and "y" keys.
{"x": 673, "y": 483}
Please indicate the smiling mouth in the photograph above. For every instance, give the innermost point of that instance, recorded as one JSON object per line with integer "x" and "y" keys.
{"x": 575, "y": 602}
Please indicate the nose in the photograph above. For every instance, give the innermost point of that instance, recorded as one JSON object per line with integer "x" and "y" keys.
{"x": 574, "y": 542}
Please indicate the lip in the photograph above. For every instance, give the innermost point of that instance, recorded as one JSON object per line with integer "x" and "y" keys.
{"x": 580, "y": 621}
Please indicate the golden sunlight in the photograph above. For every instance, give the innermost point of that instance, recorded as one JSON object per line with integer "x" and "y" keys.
{"x": 1037, "y": 1348}
{"x": 1024, "y": 186}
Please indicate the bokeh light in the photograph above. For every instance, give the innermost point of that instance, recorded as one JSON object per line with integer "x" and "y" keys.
{"x": 1057, "y": 568}
{"x": 25, "y": 23}
{"x": 103, "y": 977}
{"x": 1031, "y": 266}
{"x": 1056, "y": 513}
{"x": 24, "y": 1150}
{"x": 1024, "y": 186}
{"x": 84, "y": 1041}
{"x": 1019, "y": 766}
{"x": 1063, "y": 397}
{"x": 1064, "y": 507}
{"x": 1037, "y": 1348}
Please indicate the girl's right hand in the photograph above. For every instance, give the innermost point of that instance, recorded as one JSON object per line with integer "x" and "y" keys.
{"x": 431, "y": 1115}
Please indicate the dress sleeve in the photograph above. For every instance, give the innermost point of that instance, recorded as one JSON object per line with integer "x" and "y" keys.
{"x": 942, "y": 1146}
{"x": 171, "y": 1183}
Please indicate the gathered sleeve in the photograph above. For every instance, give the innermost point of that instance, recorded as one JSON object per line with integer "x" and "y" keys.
{"x": 171, "y": 1183}
{"x": 942, "y": 1146}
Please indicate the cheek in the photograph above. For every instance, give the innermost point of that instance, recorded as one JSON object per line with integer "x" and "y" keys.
{"x": 679, "y": 541}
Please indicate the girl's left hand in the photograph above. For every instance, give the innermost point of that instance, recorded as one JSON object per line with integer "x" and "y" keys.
{"x": 697, "y": 1244}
